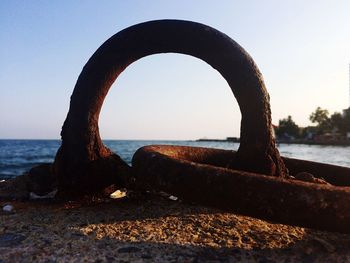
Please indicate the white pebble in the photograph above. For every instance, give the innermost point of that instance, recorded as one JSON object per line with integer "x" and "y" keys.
{"x": 118, "y": 194}
{"x": 34, "y": 196}
{"x": 174, "y": 198}
{"x": 8, "y": 208}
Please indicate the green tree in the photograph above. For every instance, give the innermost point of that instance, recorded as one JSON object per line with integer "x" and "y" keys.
{"x": 321, "y": 117}
{"x": 346, "y": 120}
{"x": 306, "y": 132}
{"x": 337, "y": 121}
{"x": 287, "y": 126}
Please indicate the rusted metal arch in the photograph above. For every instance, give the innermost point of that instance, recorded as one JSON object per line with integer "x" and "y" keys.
{"x": 84, "y": 164}
{"x": 200, "y": 175}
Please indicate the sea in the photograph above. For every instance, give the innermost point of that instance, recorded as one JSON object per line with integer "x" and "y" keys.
{"x": 18, "y": 156}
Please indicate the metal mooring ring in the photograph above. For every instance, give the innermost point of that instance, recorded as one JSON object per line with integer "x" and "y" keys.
{"x": 200, "y": 175}
{"x": 84, "y": 164}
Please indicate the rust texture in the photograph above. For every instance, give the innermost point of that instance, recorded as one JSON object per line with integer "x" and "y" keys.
{"x": 84, "y": 164}
{"x": 200, "y": 175}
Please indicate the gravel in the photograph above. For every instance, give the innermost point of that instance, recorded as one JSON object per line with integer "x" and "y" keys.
{"x": 152, "y": 228}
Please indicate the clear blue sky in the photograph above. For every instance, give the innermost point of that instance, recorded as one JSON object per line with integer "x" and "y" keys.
{"x": 301, "y": 47}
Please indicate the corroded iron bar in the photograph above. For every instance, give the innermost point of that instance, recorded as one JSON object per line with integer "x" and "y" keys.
{"x": 199, "y": 174}
{"x": 82, "y": 152}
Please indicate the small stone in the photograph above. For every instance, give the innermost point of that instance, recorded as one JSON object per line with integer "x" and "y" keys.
{"x": 8, "y": 208}
{"x": 146, "y": 256}
{"x": 174, "y": 198}
{"x": 326, "y": 245}
{"x": 307, "y": 177}
{"x": 128, "y": 250}
{"x": 42, "y": 180}
{"x": 49, "y": 195}
{"x": 9, "y": 240}
{"x": 304, "y": 176}
{"x": 118, "y": 194}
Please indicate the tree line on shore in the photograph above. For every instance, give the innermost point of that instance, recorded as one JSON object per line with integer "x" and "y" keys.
{"x": 336, "y": 123}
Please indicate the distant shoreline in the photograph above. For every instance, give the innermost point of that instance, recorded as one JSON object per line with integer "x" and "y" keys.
{"x": 323, "y": 143}
{"x": 306, "y": 142}
{"x": 228, "y": 139}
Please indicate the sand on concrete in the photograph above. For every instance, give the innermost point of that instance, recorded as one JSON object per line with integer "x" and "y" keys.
{"x": 152, "y": 228}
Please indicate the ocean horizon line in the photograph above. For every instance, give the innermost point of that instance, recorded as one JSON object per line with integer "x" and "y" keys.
{"x": 43, "y": 139}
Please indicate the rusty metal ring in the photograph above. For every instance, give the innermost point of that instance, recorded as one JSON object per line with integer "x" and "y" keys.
{"x": 200, "y": 175}
{"x": 84, "y": 164}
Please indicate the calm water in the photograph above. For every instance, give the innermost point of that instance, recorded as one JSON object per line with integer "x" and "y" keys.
{"x": 18, "y": 156}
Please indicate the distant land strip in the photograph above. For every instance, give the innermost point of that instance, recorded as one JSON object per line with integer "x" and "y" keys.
{"x": 295, "y": 141}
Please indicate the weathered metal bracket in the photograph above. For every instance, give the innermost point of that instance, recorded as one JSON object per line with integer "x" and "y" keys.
{"x": 201, "y": 175}
{"x": 84, "y": 165}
